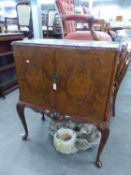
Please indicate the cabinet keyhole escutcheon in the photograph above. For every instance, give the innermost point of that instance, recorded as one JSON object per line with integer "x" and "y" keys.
{"x": 55, "y": 80}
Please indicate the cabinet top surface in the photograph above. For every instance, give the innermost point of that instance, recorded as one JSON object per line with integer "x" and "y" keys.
{"x": 59, "y": 43}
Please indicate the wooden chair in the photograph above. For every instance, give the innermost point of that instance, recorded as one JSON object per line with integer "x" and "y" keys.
{"x": 123, "y": 62}
{"x": 10, "y": 24}
{"x": 25, "y": 18}
{"x": 68, "y": 23}
{"x": 50, "y": 21}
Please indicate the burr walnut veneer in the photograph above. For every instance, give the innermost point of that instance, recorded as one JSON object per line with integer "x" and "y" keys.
{"x": 71, "y": 78}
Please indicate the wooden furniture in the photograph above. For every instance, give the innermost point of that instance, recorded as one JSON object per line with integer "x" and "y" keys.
{"x": 24, "y": 17}
{"x": 67, "y": 78}
{"x": 122, "y": 66}
{"x": 11, "y": 24}
{"x": 69, "y": 20}
{"x": 7, "y": 68}
{"x": 1, "y": 26}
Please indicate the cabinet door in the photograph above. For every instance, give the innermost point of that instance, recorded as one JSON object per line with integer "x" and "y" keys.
{"x": 85, "y": 82}
{"x": 34, "y": 67}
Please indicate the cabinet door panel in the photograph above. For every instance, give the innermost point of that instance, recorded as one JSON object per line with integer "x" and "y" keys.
{"x": 34, "y": 66}
{"x": 86, "y": 82}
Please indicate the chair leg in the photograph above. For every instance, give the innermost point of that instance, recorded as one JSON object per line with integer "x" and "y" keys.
{"x": 114, "y": 101}
{"x": 117, "y": 88}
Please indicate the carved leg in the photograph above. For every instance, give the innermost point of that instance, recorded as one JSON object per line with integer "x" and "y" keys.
{"x": 43, "y": 117}
{"x": 104, "y": 136}
{"x": 20, "y": 110}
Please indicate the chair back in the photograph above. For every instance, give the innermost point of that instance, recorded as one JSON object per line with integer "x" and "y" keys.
{"x": 24, "y": 14}
{"x": 50, "y": 21}
{"x": 66, "y": 7}
{"x": 51, "y": 17}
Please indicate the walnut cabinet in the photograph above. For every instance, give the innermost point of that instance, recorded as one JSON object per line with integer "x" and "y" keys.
{"x": 70, "y": 78}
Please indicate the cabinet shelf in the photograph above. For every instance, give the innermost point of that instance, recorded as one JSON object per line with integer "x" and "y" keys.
{"x": 6, "y": 53}
{"x": 8, "y": 80}
{"x": 7, "y": 87}
{"x": 8, "y": 83}
{"x": 7, "y": 67}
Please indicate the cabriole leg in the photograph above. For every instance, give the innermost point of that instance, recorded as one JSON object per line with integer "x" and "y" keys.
{"x": 20, "y": 109}
{"x": 104, "y": 136}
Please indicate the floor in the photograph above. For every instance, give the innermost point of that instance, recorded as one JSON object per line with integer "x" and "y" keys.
{"x": 37, "y": 156}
